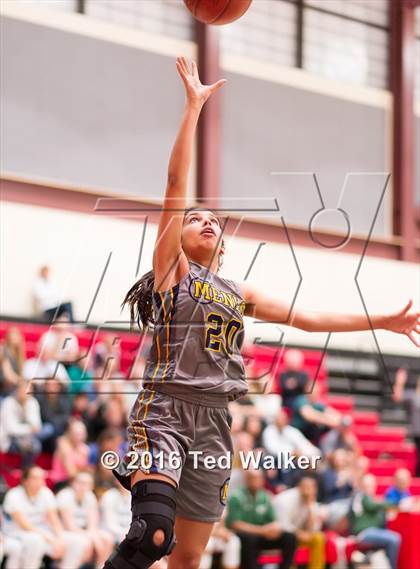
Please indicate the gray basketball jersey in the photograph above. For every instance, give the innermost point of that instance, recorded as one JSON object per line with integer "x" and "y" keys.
{"x": 198, "y": 334}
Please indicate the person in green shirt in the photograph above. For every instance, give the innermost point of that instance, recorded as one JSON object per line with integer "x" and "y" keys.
{"x": 250, "y": 514}
{"x": 367, "y": 520}
{"x": 313, "y": 418}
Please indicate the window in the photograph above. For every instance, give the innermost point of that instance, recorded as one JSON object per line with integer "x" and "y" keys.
{"x": 347, "y": 40}
{"x": 166, "y": 17}
{"x": 266, "y": 32}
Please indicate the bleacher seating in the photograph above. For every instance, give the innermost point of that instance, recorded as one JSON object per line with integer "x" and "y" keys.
{"x": 386, "y": 446}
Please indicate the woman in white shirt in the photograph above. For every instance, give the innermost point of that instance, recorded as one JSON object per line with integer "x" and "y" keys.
{"x": 30, "y": 513}
{"x": 115, "y": 506}
{"x": 79, "y": 512}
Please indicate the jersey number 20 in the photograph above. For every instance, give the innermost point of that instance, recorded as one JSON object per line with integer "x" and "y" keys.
{"x": 221, "y": 333}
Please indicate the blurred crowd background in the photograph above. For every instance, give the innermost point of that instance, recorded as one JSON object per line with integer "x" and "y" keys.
{"x": 311, "y": 151}
{"x": 66, "y": 393}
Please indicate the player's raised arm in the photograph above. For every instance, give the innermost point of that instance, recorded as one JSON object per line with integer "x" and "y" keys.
{"x": 263, "y": 307}
{"x": 169, "y": 262}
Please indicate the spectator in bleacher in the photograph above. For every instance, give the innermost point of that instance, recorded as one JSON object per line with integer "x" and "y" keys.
{"x": 312, "y": 417}
{"x": 336, "y": 481}
{"x": 14, "y": 349}
{"x": 254, "y": 426}
{"x": 111, "y": 413}
{"x": 292, "y": 380}
{"x": 108, "y": 440}
{"x": 80, "y": 376}
{"x": 399, "y": 493}
{"x": 115, "y": 506}
{"x": 62, "y": 340}
{"x": 21, "y": 428}
{"x": 367, "y": 520}
{"x": 336, "y": 486}
{"x": 250, "y": 514}
{"x": 281, "y": 437}
{"x": 55, "y": 406}
{"x": 108, "y": 348}
{"x": 10, "y": 551}
{"x": 71, "y": 455}
{"x": 259, "y": 400}
{"x": 411, "y": 399}
{"x": 44, "y": 365}
{"x": 31, "y": 517}
{"x": 224, "y": 542}
{"x": 79, "y": 511}
{"x": 82, "y": 408}
{"x": 242, "y": 442}
{"x": 112, "y": 436}
{"x": 47, "y": 297}
{"x": 340, "y": 437}
{"x": 8, "y": 377}
{"x": 299, "y": 513}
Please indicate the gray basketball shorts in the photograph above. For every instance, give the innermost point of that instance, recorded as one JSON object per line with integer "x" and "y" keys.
{"x": 170, "y": 436}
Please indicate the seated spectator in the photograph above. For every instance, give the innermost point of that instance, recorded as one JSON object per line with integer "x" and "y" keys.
{"x": 80, "y": 377}
{"x": 312, "y": 417}
{"x": 62, "y": 341}
{"x": 21, "y": 429}
{"x": 410, "y": 397}
{"x": 71, "y": 455}
{"x": 399, "y": 493}
{"x": 47, "y": 299}
{"x": 8, "y": 377}
{"x": 259, "y": 401}
{"x": 79, "y": 512}
{"x": 115, "y": 505}
{"x": 108, "y": 440}
{"x": 336, "y": 487}
{"x": 242, "y": 442}
{"x": 367, "y": 520}
{"x": 14, "y": 349}
{"x": 340, "y": 437}
{"x": 55, "y": 405}
{"x": 336, "y": 481}
{"x": 224, "y": 542}
{"x": 360, "y": 467}
{"x": 31, "y": 517}
{"x": 251, "y": 516}
{"x": 82, "y": 408}
{"x": 298, "y": 513}
{"x": 254, "y": 425}
{"x": 110, "y": 413}
{"x": 283, "y": 438}
{"x": 108, "y": 348}
{"x": 10, "y": 552}
{"x": 292, "y": 380}
{"x": 44, "y": 365}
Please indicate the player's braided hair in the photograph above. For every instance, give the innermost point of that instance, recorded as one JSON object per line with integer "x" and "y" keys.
{"x": 140, "y": 296}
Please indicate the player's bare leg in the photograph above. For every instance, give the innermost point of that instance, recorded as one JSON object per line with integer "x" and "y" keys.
{"x": 192, "y": 538}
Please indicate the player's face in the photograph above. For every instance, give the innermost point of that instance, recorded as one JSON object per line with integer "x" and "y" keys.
{"x": 201, "y": 233}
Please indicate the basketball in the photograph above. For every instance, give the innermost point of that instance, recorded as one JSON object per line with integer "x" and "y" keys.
{"x": 218, "y": 12}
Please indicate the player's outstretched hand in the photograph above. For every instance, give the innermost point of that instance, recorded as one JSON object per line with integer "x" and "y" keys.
{"x": 196, "y": 92}
{"x": 406, "y": 322}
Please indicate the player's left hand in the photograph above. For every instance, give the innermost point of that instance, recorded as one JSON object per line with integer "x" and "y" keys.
{"x": 405, "y": 322}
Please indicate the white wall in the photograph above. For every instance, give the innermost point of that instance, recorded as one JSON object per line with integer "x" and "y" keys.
{"x": 77, "y": 247}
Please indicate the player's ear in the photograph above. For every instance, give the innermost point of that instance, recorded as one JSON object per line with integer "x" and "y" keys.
{"x": 221, "y": 254}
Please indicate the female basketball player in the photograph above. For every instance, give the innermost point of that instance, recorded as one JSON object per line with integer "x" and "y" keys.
{"x": 195, "y": 368}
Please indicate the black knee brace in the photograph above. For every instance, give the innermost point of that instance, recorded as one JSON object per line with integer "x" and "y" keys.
{"x": 153, "y": 507}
